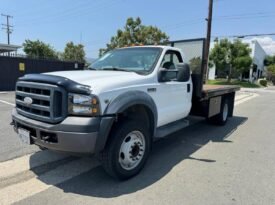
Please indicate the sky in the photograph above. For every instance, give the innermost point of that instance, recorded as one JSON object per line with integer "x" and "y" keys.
{"x": 93, "y": 22}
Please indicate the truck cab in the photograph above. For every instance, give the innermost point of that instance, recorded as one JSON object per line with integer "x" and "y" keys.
{"x": 116, "y": 109}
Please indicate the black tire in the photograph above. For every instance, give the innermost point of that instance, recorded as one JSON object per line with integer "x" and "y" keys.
{"x": 222, "y": 117}
{"x": 111, "y": 154}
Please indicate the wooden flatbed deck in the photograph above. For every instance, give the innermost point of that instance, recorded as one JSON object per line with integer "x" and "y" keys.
{"x": 209, "y": 91}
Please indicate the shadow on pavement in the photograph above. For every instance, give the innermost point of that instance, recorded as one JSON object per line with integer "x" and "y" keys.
{"x": 166, "y": 154}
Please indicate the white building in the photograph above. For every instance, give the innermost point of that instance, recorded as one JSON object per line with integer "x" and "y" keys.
{"x": 257, "y": 69}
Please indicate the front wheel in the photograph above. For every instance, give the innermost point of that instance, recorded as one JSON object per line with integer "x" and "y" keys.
{"x": 127, "y": 150}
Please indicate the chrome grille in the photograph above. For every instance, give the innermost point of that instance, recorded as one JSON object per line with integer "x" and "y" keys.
{"x": 48, "y": 102}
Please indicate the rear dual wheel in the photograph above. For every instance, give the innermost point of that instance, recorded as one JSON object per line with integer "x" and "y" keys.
{"x": 221, "y": 118}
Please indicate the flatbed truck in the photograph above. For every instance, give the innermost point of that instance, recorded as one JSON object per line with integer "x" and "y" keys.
{"x": 129, "y": 98}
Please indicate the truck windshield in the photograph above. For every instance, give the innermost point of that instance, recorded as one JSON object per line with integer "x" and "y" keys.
{"x": 139, "y": 59}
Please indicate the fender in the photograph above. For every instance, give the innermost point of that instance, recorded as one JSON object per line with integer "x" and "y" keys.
{"x": 118, "y": 105}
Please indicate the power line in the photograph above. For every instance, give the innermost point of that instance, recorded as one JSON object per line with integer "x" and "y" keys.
{"x": 41, "y": 7}
{"x": 67, "y": 14}
{"x": 7, "y": 26}
{"x": 53, "y": 14}
{"x": 246, "y": 35}
{"x": 245, "y": 17}
{"x": 196, "y": 21}
{"x": 249, "y": 14}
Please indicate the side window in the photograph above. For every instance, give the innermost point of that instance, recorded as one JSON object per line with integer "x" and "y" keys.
{"x": 171, "y": 59}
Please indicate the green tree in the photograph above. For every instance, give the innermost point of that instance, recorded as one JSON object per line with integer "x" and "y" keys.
{"x": 74, "y": 52}
{"x": 271, "y": 69}
{"x": 241, "y": 60}
{"x": 269, "y": 60}
{"x": 39, "y": 49}
{"x": 271, "y": 73}
{"x": 135, "y": 33}
{"x": 233, "y": 55}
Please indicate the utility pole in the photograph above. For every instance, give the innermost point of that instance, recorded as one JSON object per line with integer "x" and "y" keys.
{"x": 7, "y": 26}
{"x": 208, "y": 38}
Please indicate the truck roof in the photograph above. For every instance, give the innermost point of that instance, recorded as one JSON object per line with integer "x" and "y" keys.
{"x": 152, "y": 46}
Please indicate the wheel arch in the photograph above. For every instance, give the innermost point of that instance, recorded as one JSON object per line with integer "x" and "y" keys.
{"x": 133, "y": 104}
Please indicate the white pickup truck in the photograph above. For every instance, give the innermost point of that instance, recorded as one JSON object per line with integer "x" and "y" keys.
{"x": 129, "y": 97}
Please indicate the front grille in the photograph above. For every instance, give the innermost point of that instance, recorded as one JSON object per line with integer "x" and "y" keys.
{"x": 48, "y": 101}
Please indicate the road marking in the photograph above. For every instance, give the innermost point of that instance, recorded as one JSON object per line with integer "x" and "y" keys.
{"x": 18, "y": 192}
{"x": 257, "y": 90}
{"x": 240, "y": 96}
{"x": 8, "y": 103}
{"x": 27, "y": 162}
{"x": 244, "y": 99}
{"x": 26, "y": 175}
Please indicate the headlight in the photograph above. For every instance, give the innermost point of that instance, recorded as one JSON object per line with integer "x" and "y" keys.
{"x": 87, "y": 105}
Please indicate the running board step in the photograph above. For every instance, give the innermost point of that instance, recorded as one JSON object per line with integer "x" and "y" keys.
{"x": 171, "y": 128}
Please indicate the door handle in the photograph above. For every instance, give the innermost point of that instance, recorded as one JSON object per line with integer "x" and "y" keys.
{"x": 188, "y": 87}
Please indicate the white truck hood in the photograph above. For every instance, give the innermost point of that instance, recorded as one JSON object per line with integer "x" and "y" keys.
{"x": 103, "y": 81}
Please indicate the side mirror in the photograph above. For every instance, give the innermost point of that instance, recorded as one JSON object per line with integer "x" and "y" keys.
{"x": 166, "y": 75}
{"x": 183, "y": 72}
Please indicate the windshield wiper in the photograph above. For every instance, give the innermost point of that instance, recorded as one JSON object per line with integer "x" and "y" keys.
{"x": 116, "y": 69}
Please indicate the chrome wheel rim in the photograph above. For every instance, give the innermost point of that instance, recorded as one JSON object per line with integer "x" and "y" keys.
{"x": 132, "y": 150}
{"x": 225, "y": 112}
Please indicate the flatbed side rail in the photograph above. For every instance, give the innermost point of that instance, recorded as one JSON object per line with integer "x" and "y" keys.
{"x": 210, "y": 91}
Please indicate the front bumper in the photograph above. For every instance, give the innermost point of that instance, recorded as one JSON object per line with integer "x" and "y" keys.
{"x": 76, "y": 135}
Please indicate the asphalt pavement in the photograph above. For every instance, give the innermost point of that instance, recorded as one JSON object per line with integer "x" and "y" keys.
{"x": 10, "y": 146}
{"x": 202, "y": 164}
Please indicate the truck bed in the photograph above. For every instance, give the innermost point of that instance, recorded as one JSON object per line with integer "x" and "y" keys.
{"x": 204, "y": 106}
{"x": 209, "y": 91}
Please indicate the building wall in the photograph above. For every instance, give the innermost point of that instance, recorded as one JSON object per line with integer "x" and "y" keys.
{"x": 212, "y": 73}
{"x": 258, "y": 55}
{"x": 212, "y": 70}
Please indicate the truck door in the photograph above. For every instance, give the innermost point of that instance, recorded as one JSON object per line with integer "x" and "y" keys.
{"x": 174, "y": 96}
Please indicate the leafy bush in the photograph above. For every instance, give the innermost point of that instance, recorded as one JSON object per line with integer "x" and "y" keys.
{"x": 263, "y": 82}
